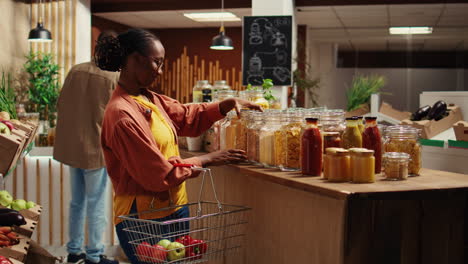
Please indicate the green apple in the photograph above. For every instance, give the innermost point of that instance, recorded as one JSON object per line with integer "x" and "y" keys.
{"x": 164, "y": 243}
{"x": 5, "y": 198}
{"x": 4, "y": 129}
{"x": 30, "y": 204}
{"x": 18, "y": 204}
{"x": 176, "y": 251}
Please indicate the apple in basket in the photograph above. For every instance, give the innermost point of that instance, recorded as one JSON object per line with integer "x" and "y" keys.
{"x": 176, "y": 251}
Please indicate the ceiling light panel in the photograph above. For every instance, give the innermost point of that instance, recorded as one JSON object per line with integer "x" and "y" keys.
{"x": 212, "y": 17}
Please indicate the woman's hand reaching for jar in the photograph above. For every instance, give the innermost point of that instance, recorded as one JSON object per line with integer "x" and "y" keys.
{"x": 237, "y": 104}
{"x": 223, "y": 157}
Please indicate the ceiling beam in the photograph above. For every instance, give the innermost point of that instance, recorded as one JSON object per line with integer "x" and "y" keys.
{"x": 300, "y": 3}
{"x": 100, "y": 6}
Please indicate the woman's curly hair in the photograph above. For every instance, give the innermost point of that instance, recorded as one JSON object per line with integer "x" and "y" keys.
{"x": 111, "y": 53}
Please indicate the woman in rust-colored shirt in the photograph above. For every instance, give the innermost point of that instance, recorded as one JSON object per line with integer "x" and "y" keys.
{"x": 140, "y": 129}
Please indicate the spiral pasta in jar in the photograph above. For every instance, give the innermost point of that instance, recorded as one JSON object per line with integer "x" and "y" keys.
{"x": 292, "y": 138}
{"x": 405, "y": 139}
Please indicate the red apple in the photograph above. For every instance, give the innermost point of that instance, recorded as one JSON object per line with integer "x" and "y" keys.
{"x": 144, "y": 252}
{"x": 159, "y": 253}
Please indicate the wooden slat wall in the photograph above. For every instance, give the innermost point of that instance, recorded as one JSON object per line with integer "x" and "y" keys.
{"x": 59, "y": 17}
{"x": 181, "y": 74}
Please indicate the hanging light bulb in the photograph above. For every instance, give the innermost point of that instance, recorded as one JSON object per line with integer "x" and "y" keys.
{"x": 39, "y": 33}
{"x": 221, "y": 41}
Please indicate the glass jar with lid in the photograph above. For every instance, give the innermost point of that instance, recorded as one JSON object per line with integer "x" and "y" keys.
{"x": 256, "y": 122}
{"x": 272, "y": 123}
{"x": 405, "y": 139}
{"x": 280, "y": 143}
{"x": 202, "y": 92}
{"x": 241, "y": 129}
{"x": 221, "y": 95}
{"x": 362, "y": 165}
{"x": 360, "y": 124}
{"x": 227, "y": 134}
{"x": 326, "y": 161}
{"x": 221, "y": 85}
{"x": 292, "y": 137}
{"x": 339, "y": 166}
{"x": 331, "y": 140}
{"x": 256, "y": 96}
{"x": 396, "y": 166}
{"x": 332, "y": 120}
{"x": 371, "y": 139}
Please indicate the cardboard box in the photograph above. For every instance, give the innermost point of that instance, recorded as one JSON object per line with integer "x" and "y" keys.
{"x": 388, "y": 110}
{"x": 461, "y": 130}
{"x": 17, "y": 252}
{"x": 362, "y": 110}
{"x": 430, "y": 128}
{"x": 10, "y": 145}
{"x": 32, "y": 213}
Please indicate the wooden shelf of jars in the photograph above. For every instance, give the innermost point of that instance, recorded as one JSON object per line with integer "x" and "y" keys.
{"x": 418, "y": 220}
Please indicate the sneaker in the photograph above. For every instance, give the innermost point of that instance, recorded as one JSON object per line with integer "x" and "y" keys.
{"x": 104, "y": 260}
{"x": 76, "y": 259}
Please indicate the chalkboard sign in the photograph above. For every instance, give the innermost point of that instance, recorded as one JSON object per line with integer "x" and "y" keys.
{"x": 267, "y": 49}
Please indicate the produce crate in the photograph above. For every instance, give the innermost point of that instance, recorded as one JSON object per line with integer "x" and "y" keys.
{"x": 430, "y": 128}
{"x": 10, "y": 146}
{"x": 27, "y": 229}
{"x": 461, "y": 130}
{"x": 17, "y": 252}
{"x": 32, "y": 213}
{"x": 14, "y": 261}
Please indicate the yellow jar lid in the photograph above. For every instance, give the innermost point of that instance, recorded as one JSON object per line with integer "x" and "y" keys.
{"x": 340, "y": 152}
{"x": 361, "y": 152}
{"x": 331, "y": 150}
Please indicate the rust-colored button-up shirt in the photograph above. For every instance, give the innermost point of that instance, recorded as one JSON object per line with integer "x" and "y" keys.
{"x": 134, "y": 162}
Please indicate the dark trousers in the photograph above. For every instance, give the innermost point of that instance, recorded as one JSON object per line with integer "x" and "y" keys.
{"x": 129, "y": 249}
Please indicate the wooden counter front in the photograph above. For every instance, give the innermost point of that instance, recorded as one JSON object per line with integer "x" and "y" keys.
{"x": 297, "y": 219}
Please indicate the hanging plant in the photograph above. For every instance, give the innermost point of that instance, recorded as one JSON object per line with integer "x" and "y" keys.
{"x": 43, "y": 82}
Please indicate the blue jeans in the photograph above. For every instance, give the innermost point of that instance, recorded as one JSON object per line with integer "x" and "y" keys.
{"x": 129, "y": 248}
{"x": 88, "y": 198}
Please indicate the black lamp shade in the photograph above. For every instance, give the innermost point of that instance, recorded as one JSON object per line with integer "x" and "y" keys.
{"x": 40, "y": 34}
{"x": 221, "y": 42}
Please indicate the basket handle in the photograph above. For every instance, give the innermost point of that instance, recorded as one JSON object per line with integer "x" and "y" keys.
{"x": 204, "y": 171}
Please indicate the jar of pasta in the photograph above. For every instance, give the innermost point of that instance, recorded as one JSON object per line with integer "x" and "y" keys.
{"x": 280, "y": 143}
{"x": 395, "y": 166}
{"x": 228, "y": 130}
{"x": 362, "y": 165}
{"x": 256, "y": 122}
{"x": 292, "y": 137}
{"x": 404, "y": 139}
{"x": 221, "y": 95}
{"x": 267, "y": 138}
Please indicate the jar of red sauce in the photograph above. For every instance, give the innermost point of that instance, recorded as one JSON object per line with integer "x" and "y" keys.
{"x": 371, "y": 139}
{"x": 331, "y": 140}
{"x": 311, "y": 148}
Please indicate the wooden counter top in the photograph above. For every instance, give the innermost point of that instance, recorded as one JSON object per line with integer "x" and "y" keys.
{"x": 430, "y": 182}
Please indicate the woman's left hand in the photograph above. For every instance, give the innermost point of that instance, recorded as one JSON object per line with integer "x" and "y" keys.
{"x": 237, "y": 104}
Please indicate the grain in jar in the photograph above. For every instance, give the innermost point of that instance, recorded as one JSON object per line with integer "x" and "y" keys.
{"x": 292, "y": 136}
{"x": 267, "y": 138}
{"x": 280, "y": 143}
{"x": 395, "y": 166}
{"x": 241, "y": 130}
{"x": 231, "y": 132}
{"x": 362, "y": 165}
{"x": 253, "y": 137}
{"x": 405, "y": 139}
{"x": 339, "y": 166}
{"x": 225, "y": 134}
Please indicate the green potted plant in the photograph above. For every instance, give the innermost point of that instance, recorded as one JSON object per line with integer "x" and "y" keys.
{"x": 7, "y": 95}
{"x": 362, "y": 87}
{"x": 43, "y": 82}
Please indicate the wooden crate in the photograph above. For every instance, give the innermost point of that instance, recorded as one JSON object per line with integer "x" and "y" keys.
{"x": 461, "y": 130}
{"x": 10, "y": 145}
{"x": 27, "y": 229}
{"x": 17, "y": 252}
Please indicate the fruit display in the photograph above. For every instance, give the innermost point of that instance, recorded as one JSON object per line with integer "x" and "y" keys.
{"x": 8, "y": 237}
{"x": 6, "y": 200}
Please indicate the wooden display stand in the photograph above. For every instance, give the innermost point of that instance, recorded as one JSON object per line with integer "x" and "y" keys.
{"x": 19, "y": 252}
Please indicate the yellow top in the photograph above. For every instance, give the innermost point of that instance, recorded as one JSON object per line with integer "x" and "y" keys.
{"x": 165, "y": 138}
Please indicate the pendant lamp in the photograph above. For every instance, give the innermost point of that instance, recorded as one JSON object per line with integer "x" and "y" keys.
{"x": 39, "y": 33}
{"x": 221, "y": 41}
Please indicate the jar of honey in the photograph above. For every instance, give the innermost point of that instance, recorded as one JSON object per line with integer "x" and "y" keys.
{"x": 339, "y": 166}
{"x": 362, "y": 165}
{"x": 326, "y": 161}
